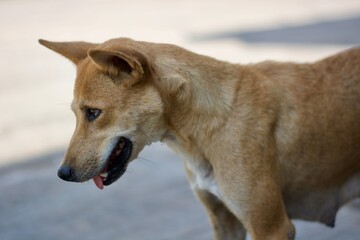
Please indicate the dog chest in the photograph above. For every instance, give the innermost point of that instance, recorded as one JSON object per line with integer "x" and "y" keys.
{"x": 207, "y": 184}
{"x": 202, "y": 177}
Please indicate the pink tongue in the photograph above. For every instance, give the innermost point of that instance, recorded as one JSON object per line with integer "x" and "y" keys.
{"x": 98, "y": 182}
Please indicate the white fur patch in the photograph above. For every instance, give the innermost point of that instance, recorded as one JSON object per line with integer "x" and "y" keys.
{"x": 203, "y": 179}
{"x": 206, "y": 184}
{"x": 203, "y": 176}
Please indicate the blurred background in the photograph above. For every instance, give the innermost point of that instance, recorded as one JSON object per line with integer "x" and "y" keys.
{"x": 152, "y": 200}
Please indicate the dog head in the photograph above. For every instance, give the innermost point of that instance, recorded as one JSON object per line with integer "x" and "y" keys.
{"x": 118, "y": 110}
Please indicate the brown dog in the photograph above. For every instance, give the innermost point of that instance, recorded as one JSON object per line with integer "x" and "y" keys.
{"x": 263, "y": 143}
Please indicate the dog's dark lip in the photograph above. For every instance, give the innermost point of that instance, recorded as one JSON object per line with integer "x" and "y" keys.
{"x": 118, "y": 161}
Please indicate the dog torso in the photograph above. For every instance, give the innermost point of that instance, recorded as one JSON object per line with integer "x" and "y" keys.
{"x": 317, "y": 134}
{"x": 312, "y": 114}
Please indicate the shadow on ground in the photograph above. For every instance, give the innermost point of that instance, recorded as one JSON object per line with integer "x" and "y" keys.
{"x": 343, "y": 31}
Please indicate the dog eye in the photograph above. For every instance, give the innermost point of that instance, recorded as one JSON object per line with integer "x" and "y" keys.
{"x": 92, "y": 114}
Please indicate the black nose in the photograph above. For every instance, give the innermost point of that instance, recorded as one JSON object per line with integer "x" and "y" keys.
{"x": 66, "y": 173}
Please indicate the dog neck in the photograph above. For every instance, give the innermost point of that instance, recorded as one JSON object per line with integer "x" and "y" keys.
{"x": 198, "y": 93}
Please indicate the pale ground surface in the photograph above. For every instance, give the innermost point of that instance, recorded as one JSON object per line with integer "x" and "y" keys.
{"x": 152, "y": 202}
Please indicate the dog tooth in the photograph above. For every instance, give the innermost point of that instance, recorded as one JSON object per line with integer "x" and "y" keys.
{"x": 104, "y": 175}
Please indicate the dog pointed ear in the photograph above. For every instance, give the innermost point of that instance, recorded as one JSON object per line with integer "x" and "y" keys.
{"x": 120, "y": 64}
{"x": 74, "y": 51}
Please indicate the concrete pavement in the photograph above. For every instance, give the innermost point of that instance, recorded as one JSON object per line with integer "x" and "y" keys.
{"x": 151, "y": 201}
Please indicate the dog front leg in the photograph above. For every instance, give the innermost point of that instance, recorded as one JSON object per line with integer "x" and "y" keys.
{"x": 258, "y": 203}
{"x": 225, "y": 225}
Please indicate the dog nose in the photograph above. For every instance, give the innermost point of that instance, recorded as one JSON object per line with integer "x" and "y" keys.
{"x": 66, "y": 173}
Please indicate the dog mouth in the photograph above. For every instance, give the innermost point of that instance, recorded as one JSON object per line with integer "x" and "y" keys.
{"x": 116, "y": 163}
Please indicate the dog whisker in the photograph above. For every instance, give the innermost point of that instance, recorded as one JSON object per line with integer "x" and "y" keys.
{"x": 146, "y": 161}
{"x": 129, "y": 171}
{"x": 146, "y": 135}
{"x": 67, "y": 104}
